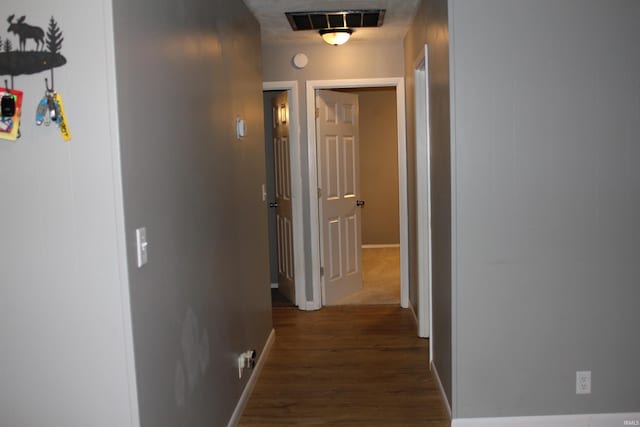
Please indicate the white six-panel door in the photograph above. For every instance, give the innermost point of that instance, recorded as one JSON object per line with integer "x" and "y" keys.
{"x": 338, "y": 177}
{"x": 284, "y": 222}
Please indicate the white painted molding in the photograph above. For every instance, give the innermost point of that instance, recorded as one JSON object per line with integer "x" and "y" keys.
{"x": 255, "y": 374}
{"x": 118, "y": 211}
{"x": 388, "y": 245}
{"x": 311, "y": 86}
{"x": 443, "y": 395}
{"x": 423, "y": 194}
{"x": 579, "y": 420}
{"x": 299, "y": 259}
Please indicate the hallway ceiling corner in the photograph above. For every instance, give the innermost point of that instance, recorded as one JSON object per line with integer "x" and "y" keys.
{"x": 275, "y": 27}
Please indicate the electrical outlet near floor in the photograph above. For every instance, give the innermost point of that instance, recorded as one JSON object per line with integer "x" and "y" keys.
{"x": 583, "y": 382}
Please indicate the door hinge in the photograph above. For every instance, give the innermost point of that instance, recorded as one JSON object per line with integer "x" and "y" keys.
{"x": 319, "y": 192}
{"x": 317, "y": 112}
{"x": 321, "y": 271}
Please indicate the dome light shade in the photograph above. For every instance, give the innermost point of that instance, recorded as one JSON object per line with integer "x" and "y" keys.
{"x": 336, "y": 36}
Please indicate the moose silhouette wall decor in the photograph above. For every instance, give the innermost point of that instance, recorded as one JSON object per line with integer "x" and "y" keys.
{"x": 25, "y": 31}
{"x": 44, "y": 55}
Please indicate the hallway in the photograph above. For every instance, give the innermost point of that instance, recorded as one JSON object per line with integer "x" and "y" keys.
{"x": 346, "y": 366}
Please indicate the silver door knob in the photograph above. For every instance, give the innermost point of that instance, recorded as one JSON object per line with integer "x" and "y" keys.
{"x": 273, "y": 205}
{"x": 360, "y": 203}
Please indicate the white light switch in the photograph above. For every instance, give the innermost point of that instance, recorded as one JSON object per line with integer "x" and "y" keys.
{"x": 141, "y": 246}
{"x": 241, "y": 128}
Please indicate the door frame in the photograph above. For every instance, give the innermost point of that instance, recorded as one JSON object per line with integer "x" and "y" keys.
{"x": 291, "y": 86}
{"x": 311, "y": 87}
{"x": 423, "y": 194}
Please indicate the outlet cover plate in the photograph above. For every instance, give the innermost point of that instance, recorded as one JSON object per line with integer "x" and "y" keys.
{"x": 583, "y": 382}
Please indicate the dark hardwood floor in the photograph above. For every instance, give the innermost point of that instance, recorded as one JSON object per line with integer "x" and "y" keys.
{"x": 346, "y": 366}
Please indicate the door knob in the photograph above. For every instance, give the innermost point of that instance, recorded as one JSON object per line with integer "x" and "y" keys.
{"x": 360, "y": 203}
{"x": 273, "y": 205}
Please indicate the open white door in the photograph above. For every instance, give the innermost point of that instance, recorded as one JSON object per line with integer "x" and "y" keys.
{"x": 338, "y": 178}
{"x": 282, "y": 204}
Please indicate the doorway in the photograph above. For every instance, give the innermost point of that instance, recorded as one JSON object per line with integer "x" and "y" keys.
{"x": 283, "y": 193}
{"x": 312, "y": 88}
{"x": 378, "y": 216}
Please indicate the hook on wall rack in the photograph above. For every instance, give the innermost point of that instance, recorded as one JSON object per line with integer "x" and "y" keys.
{"x": 46, "y": 83}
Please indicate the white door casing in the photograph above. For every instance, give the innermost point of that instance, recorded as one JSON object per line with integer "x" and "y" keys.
{"x": 315, "y": 299}
{"x": 283, "y": 205}
{"x": 423, "y": 195}
{"x": 339, "y": 183}
{"x": 291, "y": 86}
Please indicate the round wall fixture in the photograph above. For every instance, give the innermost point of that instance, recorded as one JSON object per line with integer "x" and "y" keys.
{"x": 300, "y": 60}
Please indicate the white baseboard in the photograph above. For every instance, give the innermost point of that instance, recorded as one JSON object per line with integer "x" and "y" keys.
{"x": 386, "y": 245}
{"x": 255, "y": 374}
{"x": 274, "y": 286}
{"x": 443, "y": 395}
{"x": 580, "y": 420}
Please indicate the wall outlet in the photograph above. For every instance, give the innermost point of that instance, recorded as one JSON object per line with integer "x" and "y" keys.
{"x": 246, "y": 360}
{"x": 583, "y": 382}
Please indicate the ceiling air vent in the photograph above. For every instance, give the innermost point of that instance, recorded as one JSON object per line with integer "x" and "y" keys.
{"x": 342, "y": 19}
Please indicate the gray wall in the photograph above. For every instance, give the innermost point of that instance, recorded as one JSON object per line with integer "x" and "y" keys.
{"x": 431, "y": 26}
{"x": 354, "y": 60}
{"x": 185, "y": 71}
{"x": 379, "y": 165}
{"x": 65, "y": 357}
{"x": 547, "y": 122}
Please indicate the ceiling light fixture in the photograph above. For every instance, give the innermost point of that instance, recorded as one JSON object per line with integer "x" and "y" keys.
{"x": 336, "y": 36}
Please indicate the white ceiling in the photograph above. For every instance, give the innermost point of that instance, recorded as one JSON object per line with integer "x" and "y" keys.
{"x": 276, "y": 28}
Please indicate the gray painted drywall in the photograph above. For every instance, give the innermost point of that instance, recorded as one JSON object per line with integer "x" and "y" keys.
{"x": 547, "y": 122}
{"x": 185, "y": 71}
{"x": 379, "y": 165}
{"x": 65, "y": 357}
{"x": 354, "y": 60}
{"x": 431, "y": 26}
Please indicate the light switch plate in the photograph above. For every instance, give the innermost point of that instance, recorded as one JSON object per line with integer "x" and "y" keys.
{"x": 141, "y": 246}
{"x": 241, "y": 128}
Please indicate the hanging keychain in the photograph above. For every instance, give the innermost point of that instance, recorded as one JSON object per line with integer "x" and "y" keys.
{"x": 10, "y": 108}
{"x": 42, "y": 112}
{"x": 51, "y": 110}
{"x": 61, "y": 117}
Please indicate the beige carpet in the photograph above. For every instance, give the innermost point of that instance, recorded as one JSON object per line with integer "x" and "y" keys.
{"x": 380, "y": 277}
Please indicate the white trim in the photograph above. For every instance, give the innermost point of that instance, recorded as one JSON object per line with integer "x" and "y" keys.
{"x": 311, "y": 87}
{"x": 299, "y": 259}
{"x": 253, "y": 379}
{"x": 579, "y": 420}
{"x": 443, "y": 395}
{"x": 388, "y": 245}
{"x": 118, "y": 212}
{"x": 275, "y": 286}
{"x": 423, "y": 195}
{"x": 454, "y": 217}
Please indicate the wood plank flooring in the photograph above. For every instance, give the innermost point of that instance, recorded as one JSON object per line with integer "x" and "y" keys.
{"x": 346, "y": 366}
